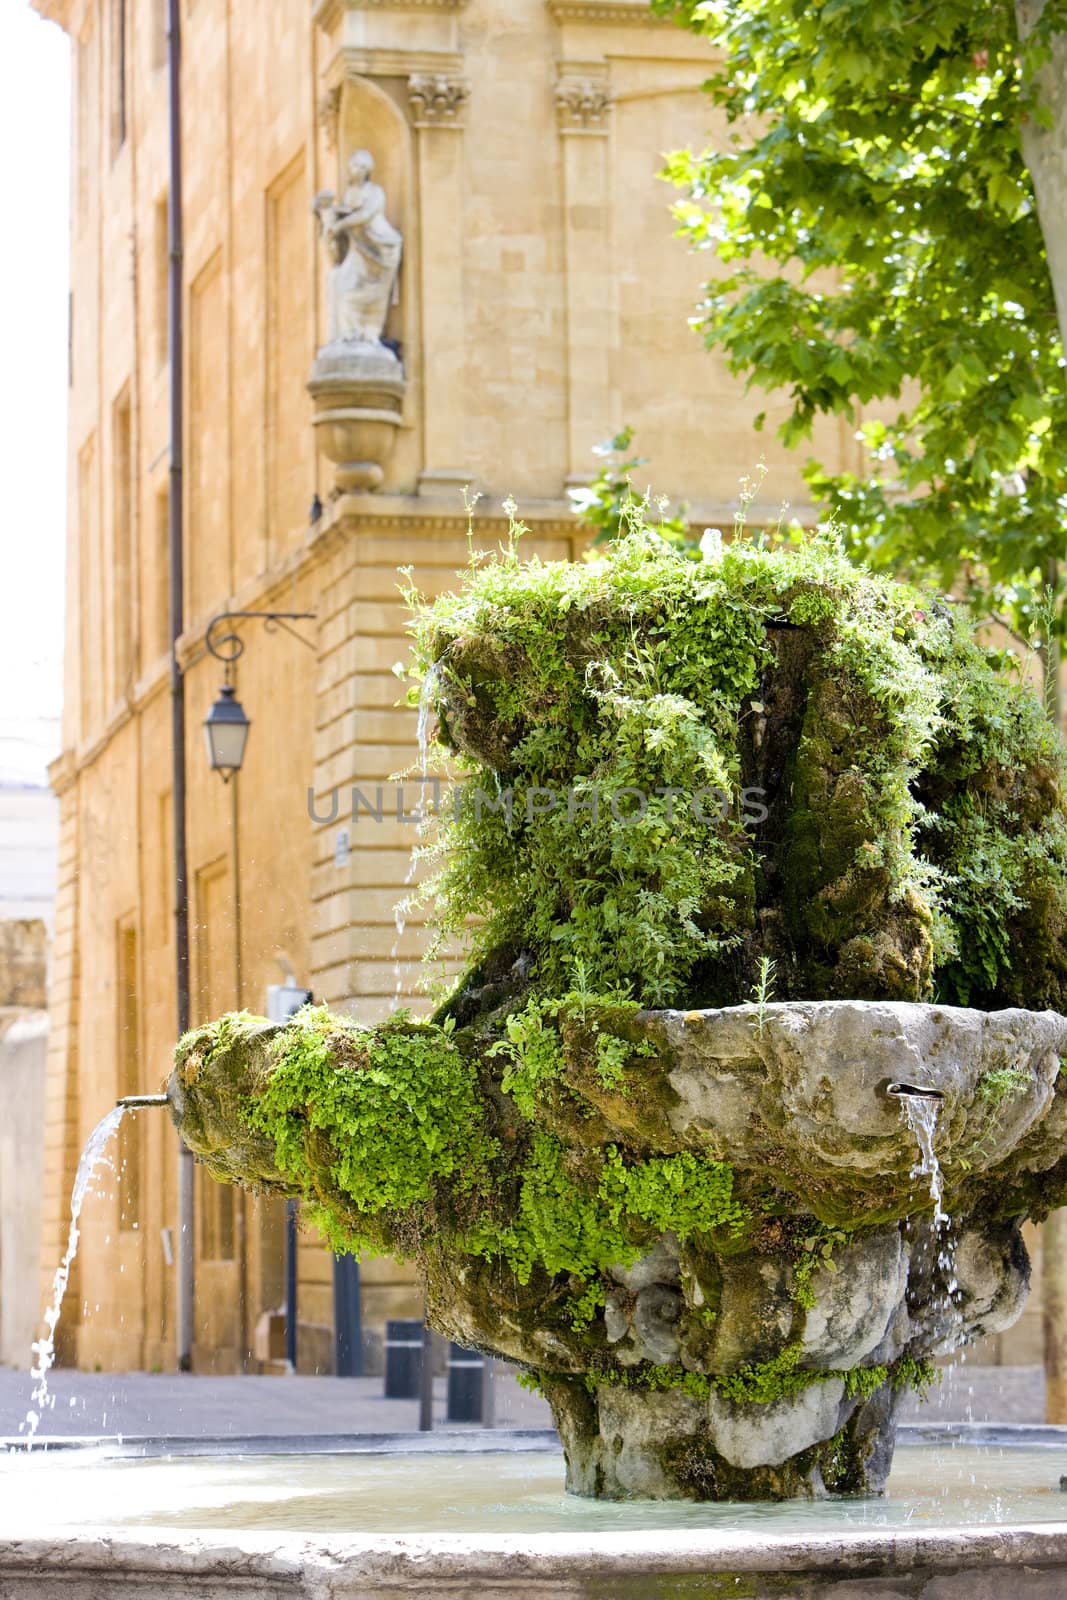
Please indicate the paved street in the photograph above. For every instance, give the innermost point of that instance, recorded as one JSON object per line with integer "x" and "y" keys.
{"x": 137, "y": 1404}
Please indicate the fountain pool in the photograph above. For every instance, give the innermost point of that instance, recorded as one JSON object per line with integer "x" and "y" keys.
{"x": 969, "y": 1510}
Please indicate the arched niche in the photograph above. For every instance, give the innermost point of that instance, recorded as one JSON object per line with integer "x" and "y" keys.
{"x": 369, "y": 119}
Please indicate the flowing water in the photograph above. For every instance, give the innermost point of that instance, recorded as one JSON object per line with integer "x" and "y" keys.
{"x": 921, "y": 1116}
{"x": 94, "y": 1155}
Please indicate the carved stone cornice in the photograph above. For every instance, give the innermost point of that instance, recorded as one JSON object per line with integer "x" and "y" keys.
{"x": 582, "y": 104}
{"x": 387, "y": 61}
{"x": 54, "y": 11}
{"x": 63, "y": 770}
{"x": 437, "y": 99}
{"x": 608, "y": 11}
{"x": 326, "y": 12}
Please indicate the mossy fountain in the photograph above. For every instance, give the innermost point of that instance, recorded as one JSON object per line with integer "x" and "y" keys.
{"x": 763, "y": 851}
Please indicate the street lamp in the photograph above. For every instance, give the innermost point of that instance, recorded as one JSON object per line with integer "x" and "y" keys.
{"x": 226, "y": 733}
{"x": 227, "y": 723}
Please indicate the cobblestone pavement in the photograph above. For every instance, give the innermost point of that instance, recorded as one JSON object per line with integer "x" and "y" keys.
{"x": 98, "y": 1403}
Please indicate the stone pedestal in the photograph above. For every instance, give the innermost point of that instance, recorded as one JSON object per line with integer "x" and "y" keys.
{"x": 357, "y": 390}
{"x": 626, "y": 1444}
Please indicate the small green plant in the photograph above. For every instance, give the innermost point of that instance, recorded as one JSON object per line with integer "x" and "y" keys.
{"x": 1003, "y": 1083}
{"x": 910, "y": 1372}
{"x": 816, "y": 1253}
{"x": 763, "y": 991}
{"x": 609, "y": 504}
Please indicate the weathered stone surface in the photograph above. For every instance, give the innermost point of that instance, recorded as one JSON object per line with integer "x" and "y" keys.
{"x": 622, "y": 1443}
{"x": 766, "y": 1435}
{"x": 856, "y": 1304}
{"x": 803, "y": 1088}
{"x": 756, "y": 1311}
{"x": 994, "y": 1276}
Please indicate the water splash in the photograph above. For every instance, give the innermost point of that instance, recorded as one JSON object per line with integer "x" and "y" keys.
{"x": 921, "y": 1116}
{"x": 422, "y": 727}
{"x": 93, "y": 1156}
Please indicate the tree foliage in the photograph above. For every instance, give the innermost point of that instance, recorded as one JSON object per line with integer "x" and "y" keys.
{"x": 882, "y": 249}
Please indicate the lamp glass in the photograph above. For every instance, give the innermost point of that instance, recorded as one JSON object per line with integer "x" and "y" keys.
{"x": 226, "y": 732}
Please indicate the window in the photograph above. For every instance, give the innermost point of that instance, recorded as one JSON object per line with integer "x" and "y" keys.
{"x": 128, "y": 1056}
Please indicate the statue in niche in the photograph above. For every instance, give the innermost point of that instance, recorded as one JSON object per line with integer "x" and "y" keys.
{"x": 365, "y": 249}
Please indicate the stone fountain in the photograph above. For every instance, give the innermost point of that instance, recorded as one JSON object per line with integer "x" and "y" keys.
{"x": 730, "y": 1126}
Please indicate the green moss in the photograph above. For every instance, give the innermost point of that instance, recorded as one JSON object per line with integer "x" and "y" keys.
{"x": 911, "y": 1372}
{"x": 201, "y": 1045}
{"x": 685, "y": 1194}
{"x": 386, "y": 1116}
{"x": 579, "y": 1215}
{"x": 893, "y": 757}
{"x": 762, "y": 1383}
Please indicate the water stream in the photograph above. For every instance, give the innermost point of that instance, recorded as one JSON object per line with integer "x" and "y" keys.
{"x": 94, "y": 1155}
{"x": 921, "y": 1116}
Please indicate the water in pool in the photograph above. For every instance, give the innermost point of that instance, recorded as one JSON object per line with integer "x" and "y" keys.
{"x": 932, "y": 1486}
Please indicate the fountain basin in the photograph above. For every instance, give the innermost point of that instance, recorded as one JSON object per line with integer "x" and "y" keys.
{"x": 973, "y": 1511}
{"x": 771, "y": 1264}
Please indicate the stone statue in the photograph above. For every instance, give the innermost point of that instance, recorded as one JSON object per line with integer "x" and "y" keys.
{"x": 365, "y": 248}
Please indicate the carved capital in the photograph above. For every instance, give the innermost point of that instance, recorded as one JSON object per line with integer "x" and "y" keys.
{"x": 436, "y": 99}
{"x": 582, "y": 105}
{"x": 328, "y": 109}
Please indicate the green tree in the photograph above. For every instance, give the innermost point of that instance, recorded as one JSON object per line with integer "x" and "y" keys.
{"x": 891, "y": 212}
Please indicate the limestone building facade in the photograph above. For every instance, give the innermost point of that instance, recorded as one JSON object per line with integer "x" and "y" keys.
{"x": 540, "y": 302}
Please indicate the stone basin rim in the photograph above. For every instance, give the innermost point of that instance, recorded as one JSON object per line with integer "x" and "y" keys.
{"x": 903, "y": 1009}
{"x": 301, "y": 1561}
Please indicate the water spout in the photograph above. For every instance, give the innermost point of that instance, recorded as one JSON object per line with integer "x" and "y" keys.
{"x": 915, "y": 1091}
{"x": 130, "y": 1102}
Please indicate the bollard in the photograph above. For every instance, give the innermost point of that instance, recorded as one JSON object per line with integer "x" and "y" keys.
{"x": 403, "y": 1358}
{"x": 466, "y": 1375}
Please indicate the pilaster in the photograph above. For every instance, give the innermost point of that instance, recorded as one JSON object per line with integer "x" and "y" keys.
{"x": 436, "y": 101}
{"x": 583, "y": 108}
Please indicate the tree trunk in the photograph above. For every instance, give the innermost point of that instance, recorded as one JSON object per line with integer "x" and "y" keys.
{"x": 1045, "y": 153}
